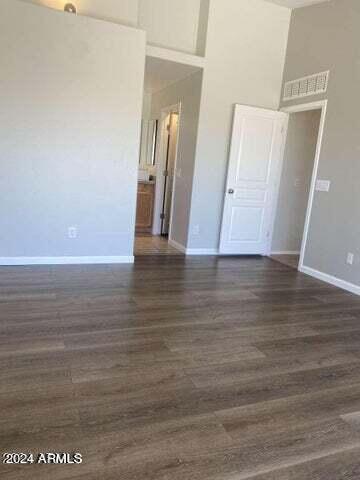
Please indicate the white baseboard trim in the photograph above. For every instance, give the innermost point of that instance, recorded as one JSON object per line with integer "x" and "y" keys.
{"x": 289, "y": 252}
{"x": 23, "y": 261}
{"x": 193, "y": 251}
{"x": 337, "y": 282}
{"x": 202, "y": 251}
{"x": 177, "y": 245}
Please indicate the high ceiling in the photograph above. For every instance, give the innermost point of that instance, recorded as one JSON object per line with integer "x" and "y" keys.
{"x": 296, "y": 3}
{"x": 159, "y": 74}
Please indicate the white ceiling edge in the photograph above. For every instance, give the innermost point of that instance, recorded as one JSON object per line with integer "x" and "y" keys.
{"x": 296, "y": 3}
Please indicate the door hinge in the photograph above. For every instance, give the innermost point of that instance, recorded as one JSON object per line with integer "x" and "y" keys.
{"x": 162, "y": 216}
{"x": 165, "y": 173}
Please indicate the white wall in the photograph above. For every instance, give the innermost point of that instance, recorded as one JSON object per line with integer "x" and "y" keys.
{"x": 203, "y": 27}
{"x": 146, "y": 112}
{"x": 244, "y": 64}
{"x": 69, "y": 132}
{"x": 117, "y": 11}
{"x": 172, "y": 24}
{"x": 188, "y": 92}
{"x": 323, "y": 37}
{"x": 295, "y": 181}
{"x": 146, "y": 109}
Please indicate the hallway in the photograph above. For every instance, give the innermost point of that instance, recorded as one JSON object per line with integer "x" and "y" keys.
{"x": 153, "y": 245}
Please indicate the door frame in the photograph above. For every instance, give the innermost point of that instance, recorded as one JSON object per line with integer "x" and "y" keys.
{"x": 160, "y": 167}
{"x": 306, "y": 107}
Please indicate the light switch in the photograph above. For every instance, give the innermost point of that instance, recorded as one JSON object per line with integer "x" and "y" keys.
{"x": 323, "y": 185}
{"x": 350, "y": 259}
{"x": 72, "y": 232}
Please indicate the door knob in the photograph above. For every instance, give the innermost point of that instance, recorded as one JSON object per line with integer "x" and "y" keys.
{"x": 231, "y": 191}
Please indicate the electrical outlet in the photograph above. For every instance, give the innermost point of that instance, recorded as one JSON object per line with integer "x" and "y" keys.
{"x": 196, "y": 230}
{"x": 72, "y": 232}
{"x": 350, "y": 259}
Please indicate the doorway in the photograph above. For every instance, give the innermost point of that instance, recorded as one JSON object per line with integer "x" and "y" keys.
{"x": 170, "y": 116}
{"x": 297, "y": 183}
{"x": 171, "y": 129}
{"x": 156, "y": 240}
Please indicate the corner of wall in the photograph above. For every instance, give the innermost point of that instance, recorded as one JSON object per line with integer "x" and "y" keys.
{"x": 203, "y": 27}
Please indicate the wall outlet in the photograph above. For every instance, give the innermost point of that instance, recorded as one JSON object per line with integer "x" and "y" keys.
{"x": 196, "y": 230}
{"x": 350, "y": 259}
{"x": 72, "y": 232}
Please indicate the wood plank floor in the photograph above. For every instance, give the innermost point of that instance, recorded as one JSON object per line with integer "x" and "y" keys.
{"x": 289, "y": 260}
{"x": 150, "y": 245}
{"x": 179, "y": 369}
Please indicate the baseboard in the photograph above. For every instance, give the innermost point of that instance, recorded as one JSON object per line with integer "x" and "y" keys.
{"x": 177, "y": 245}
{"x": 202, "y": 251}
{"x": 337, "y": 282}
{"x": 193, "y": 251}
{"x": 289, "y": 252}
{"x": 23, "y": 261}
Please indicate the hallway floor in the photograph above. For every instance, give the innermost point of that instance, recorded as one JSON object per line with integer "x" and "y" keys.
{"x": 179, "y": 369}
{"x": 153, "y": 245}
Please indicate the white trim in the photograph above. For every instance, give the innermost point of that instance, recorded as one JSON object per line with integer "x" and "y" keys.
{"x": 175, "y": 171}
{"x": 193, "y": 251}
{"x": 305, "y": 107}
{"x": 289, "y": 252}
{"x": 322, "y": 104}
{"x": 202, "y": 251}
{"x": 177, "y": 245}
{"x": 22, "y": 261}
{"x": 160, "y": 167}
{"x": 175, "y": 56}
{"x": 159, "y": 184}
{"x": 337, "y": 282}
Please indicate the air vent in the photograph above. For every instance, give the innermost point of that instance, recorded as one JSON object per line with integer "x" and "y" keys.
{"x": 306, "y": 86}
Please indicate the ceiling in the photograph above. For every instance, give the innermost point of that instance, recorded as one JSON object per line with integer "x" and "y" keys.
{"x": 159, "y": 73}
{"x": 296, "y": 3}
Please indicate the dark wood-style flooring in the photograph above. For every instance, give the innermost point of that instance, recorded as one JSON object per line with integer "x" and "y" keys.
{"x": 289, "y": 260}
{"x": 179, "y": 369}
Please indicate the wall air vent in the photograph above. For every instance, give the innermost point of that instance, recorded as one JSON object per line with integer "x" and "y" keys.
{"x": 306, "y": 86}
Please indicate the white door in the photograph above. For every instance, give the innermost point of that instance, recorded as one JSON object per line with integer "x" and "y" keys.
{"x": 254, "y": 173}
{"x": 170, "y": 171}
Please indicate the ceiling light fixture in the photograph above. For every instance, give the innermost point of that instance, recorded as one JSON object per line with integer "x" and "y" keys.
{"x": 70, "y": 8}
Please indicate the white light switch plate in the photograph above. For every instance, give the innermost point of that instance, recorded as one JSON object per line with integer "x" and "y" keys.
{"x": 350, "y": 259}
{"x": 323, "y": 185}
{"x": 72, "y": 232}
{"x": 196, "y": 230}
